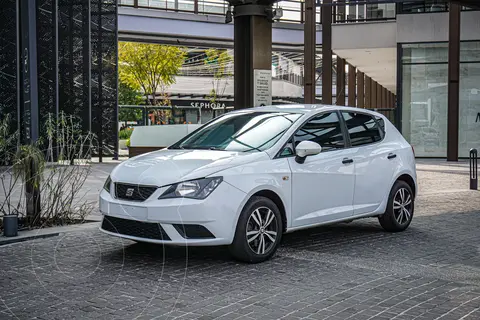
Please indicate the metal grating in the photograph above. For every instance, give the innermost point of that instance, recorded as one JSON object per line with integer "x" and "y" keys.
{"x": 47, "y": 61}
{"x": 8, "y": 60}
{"x": 74, "y": 59}
{"x": 134, "y": 228}
{"x": 133, "y": 192}
{"x": 76, "y": 65}
{"x": 104, "y": 46}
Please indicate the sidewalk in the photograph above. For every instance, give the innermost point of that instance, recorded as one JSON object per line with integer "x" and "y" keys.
{"x": 47, "y": 232}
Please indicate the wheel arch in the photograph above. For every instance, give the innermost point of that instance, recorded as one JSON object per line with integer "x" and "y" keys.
{"x": 272, "y": 195}
{"x": 410, "y": 181}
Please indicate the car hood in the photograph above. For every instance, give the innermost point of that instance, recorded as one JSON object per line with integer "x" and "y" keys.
{"x": 166, "y": 166}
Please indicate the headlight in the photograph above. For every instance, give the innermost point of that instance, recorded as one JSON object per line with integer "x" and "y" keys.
{"x": 107, "y": 184}
{"x": 195, "y": 189}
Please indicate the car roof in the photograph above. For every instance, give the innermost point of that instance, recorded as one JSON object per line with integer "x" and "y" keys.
{"x": 303, "y": 108}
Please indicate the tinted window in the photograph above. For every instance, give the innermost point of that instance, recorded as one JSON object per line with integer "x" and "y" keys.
{"x": 381, "y": 123}
{"x": 240, "y": 131}
{"x": 324, "y": 130}
{"x": 362, "y": 128}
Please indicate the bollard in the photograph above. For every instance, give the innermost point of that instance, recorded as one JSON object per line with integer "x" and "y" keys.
{"x": 473, "y": 169}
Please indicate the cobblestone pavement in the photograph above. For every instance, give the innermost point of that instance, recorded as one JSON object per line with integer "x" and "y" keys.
{"x": 346, "y": 271}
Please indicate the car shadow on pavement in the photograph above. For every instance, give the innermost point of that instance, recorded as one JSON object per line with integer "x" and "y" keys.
{"x": 429, "y": 240}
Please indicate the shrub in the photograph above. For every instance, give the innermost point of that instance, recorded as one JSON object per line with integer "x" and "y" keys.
{"x": 62, "y": 170}
{"x": 125, "y": 134}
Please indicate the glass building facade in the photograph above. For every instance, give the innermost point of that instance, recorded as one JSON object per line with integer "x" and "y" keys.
{"x": 424, "y": 97}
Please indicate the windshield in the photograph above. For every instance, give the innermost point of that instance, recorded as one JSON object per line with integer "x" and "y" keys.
{"x": 245, "y": 131}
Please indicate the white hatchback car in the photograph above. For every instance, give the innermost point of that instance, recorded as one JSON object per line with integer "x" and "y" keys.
{"x": 246, "y": 177}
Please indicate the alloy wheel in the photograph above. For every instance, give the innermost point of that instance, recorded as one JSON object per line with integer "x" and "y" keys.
{"x": 402, "y": 206}
{"x": 261, "y": 230}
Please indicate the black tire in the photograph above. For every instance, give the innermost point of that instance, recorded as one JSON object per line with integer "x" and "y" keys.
{"x": 400, "y": 208}
{"x": 252, "y": 251}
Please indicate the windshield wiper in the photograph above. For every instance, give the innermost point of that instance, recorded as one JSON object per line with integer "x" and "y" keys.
{"x": 200, "y": 147}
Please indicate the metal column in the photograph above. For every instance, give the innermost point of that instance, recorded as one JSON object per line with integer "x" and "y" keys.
{"x": 252, "y": 51}
{"x": 29, "y": 99}
{"x": 326, "y": 15}
{"x": 373, "y": 94}
{"x": 352, "y": 86}
{"x": 360, "y": 90}
{"x": 368, "y": 92}
{"x": 309, "y": 51}
{"x": 379, "y": 96}
{"x": 453, "y": 81}
{"x": 340, "y": 92}
{"x": 384, "y": 98}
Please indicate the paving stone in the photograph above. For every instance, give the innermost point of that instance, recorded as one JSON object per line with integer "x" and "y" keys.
{"x": 346, "y": 271}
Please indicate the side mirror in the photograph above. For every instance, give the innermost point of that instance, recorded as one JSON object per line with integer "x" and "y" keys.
{"x": 305, "y": 149}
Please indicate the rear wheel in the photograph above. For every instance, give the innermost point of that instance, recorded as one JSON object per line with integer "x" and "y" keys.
{"x": 400, "y": 207}
{"x": 259, "y": 231}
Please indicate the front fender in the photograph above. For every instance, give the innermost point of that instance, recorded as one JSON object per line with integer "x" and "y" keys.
{"x": 272, "y": 175}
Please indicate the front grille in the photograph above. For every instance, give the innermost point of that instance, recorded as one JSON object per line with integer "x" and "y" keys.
{"x": 133, "y": 192}
{"x": 134, "y": 228}
{"x": 193, "y": 231}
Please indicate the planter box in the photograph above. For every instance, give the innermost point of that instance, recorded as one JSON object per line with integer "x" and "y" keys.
{"x": 150, "y": 138}
{"x": 122, "y": 144}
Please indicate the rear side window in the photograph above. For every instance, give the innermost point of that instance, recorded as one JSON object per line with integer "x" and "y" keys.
{"x": 362, "y": 128}
{"x": 324, "y": 129}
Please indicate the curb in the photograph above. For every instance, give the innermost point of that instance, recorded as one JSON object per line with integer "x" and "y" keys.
{"x": 45, "y": 233}
{"x": 17, "y": 239}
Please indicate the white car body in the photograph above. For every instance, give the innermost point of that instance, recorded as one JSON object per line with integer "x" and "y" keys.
{"x": 321, "y": 190}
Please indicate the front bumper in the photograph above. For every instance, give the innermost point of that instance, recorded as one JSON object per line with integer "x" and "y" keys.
{"x": 168, "y": 221}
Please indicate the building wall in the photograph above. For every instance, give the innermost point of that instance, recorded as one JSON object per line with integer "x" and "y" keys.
{"x": 433, "y": 27}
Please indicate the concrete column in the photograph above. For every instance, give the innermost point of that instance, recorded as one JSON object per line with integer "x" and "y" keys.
{"x": 368, "y": 92}
{"x": 352, "y": 86}
{"x": 340, "y": 101}
{"x": 327, "y": 52}
{"x": 453, "y": 81}
{"x": 360, "y": 90}
{"x": 252, "y": 50}
{"x": 309, "y": 51}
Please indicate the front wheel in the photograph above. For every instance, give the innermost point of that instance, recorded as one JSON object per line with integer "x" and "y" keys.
{"x": 258, "y": 232}
{"x": 400, "y": 207}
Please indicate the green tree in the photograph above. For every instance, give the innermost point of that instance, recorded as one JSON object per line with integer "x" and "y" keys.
{"x": 219, "y": 64}
{"x": 128, "y": 96}
{"x": 149, "y": 67}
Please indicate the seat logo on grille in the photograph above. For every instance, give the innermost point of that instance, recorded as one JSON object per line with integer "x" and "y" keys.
{"x": 129, "y": 192}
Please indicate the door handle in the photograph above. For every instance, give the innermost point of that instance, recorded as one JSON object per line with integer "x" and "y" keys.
{"x": 346, "y": 161}
{"x": 391, "y": 156}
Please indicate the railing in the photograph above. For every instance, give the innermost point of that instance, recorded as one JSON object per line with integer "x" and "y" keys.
{"x": 213, "y": 7}
{"x": 343, "y": 11}
{"x": 293, "y": 10}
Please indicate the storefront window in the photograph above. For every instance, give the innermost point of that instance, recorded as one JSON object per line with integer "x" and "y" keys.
{"x": 425, "y": 98}
{"x": 425, "y": 53}
{"x": 469, "y": 123}
{"x": 424, "y": 118}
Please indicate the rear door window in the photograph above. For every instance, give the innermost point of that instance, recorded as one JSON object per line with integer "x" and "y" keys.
{"x": 362, "y": 128}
